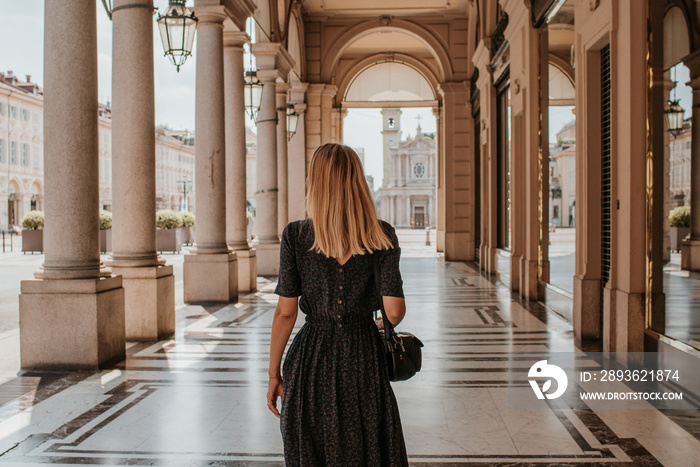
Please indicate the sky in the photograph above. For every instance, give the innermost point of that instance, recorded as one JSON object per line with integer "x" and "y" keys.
{"x": 175, "y": 92}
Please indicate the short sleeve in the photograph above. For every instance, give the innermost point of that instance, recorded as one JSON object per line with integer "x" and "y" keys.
{"x": 391, "y": 283}
{"x": 289, "y": 281}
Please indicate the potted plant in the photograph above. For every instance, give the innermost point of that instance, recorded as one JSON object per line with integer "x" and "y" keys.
{"x": 32, "y": 232}
{"x": 105, "y": 231}
{"x": 187, "y": 220}
{"x": 168, "y": 236}
{"x": 680, "y": 226}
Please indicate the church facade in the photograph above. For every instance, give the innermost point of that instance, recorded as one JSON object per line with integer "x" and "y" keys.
{"x": 408, "y": 191}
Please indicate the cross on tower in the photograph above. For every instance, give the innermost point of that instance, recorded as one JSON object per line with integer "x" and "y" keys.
{"x": 418, "y": 117}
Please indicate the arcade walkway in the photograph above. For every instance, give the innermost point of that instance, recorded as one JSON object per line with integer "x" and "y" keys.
{"x": 199, "y": 399}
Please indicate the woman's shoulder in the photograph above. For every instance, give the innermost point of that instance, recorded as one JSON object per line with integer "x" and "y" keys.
{"x": 297, "y": 229}
{"x": 388, "y": 228}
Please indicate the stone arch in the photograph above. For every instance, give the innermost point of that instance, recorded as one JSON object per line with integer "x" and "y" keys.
{"x": 37, "y": 188}
{"x": 677, "y": 39}
{"x": 564, "y": 67}
{"x": 295, "y": 43}
{"x": 17, "y": 185}
{"x": 366, "y": 62}
{"x": 432, "y": 43}
{"x": 263, "y": 18}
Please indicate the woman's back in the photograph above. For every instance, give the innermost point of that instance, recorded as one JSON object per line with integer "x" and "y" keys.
{"x": 331, "y": 291}
{"x": 337, "y": 406}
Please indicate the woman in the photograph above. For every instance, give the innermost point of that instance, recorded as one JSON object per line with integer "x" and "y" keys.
{"x": 337, "y": 404}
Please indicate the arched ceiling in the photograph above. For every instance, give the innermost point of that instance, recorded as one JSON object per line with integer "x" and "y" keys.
{"x": 676, "y": 37}
{"x": 402, "y": 8}
{"x": 389, "y": 81}
{"x": 561, "y": 89}
{"x": 383, "y": 41}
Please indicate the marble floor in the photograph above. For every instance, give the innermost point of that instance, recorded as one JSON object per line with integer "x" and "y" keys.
{"x": 199, "y": 398}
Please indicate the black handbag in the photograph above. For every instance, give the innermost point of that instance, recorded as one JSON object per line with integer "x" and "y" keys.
{"x": 402, "y": 349}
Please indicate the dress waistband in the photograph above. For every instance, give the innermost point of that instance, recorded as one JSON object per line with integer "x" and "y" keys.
{"x": 347, "y": 321}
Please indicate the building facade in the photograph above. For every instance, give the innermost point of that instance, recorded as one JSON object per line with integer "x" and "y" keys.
{"x": 22, "y": 146}
{"x": 562, "y": 201}
{"x": 679, "y": 174}
{"x": 408, "y": 192}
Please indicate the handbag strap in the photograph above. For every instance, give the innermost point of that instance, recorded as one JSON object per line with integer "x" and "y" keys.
{"x": 388, "y": 327}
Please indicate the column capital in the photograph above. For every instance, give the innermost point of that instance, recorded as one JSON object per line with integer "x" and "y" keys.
{"x": 267, "y": 76}
{"x": 454, "y": 87}
{"x": 482, "y": 56}
{"x": 235, "y": 39}
{"x": 215, "y": 15}
{"x": 118, "y": 5}
{"x": 692, "y": 61}
{"x": 298, "y": 92}
{"x": 238, "y": 11}
{"x": 273, "y": 56}
{"x": 330, "y": 89}
{"x": 282, "y": 88}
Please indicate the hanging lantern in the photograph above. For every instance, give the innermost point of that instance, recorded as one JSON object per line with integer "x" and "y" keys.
{"x": 252, "y": 94}
{"x": 292, "y": 120}
{"x": 177, "y": 27}
{"x": 674, "y": 117}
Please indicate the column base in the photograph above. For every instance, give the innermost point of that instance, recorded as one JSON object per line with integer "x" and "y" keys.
{"x": 487, "y": 259}
{"x": 528, "y": 279}
{"x": 629, "y": 321}
{"x": 71, "y": 324}
{"x": 149, "y": 297}
{"x": 440, "y": 240}
{"x": 211, "y": 278}
{"x": 247, "y": 269}
{"x": 586, "y": 312}
{"x": 690, "y": 255}
{"x": 515, "y": 266}
{"x": 457, "y": 246}
{"x": 268, "y": 255}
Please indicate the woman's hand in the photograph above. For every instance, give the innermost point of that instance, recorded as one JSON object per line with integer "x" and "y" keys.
{"x": 274, "y": 389}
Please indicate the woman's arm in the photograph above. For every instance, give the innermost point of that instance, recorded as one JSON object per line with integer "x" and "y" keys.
{"x": 395, "y": 308}
{"x": 282, "y": 325}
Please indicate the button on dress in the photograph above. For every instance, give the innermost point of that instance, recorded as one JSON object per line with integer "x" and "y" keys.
{"x": 338, "y": 407}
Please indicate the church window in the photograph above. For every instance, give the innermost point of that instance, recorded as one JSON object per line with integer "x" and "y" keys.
{"x": 419, "y": 169}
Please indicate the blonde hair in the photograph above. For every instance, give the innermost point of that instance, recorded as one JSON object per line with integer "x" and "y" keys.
{"x": 340, "y": 204}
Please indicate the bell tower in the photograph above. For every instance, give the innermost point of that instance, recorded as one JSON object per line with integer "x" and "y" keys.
{"x": 391, "y": 133}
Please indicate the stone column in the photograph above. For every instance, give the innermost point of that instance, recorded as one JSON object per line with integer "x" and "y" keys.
{"x": 211, "y": 270}
{"x": 408, "y": 211}
{"x": 312, "y": 119}
{"x": 296, "y": 170}
{"x": 690, "y": 249}
{"x": 236, "y": 206}
{"x": 458, "y": 190}
{"x": 327, "y": 114}
{"x": 72, "y": 315}
{"x": 273, "y": 62}
{"x": 149, "y": 285}
{"x": 282, "y": 186}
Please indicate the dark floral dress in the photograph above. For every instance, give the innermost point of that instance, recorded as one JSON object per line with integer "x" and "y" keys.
{"x": 338, "y": 407}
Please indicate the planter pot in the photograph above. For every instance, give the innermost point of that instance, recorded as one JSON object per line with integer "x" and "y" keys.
{"x": 186, "y": 235}
{"x": 169, "y": 240}
{"x": 33, "y": 240}
{"x": 677, "y": 236}
{"x": 105, "y": 241}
